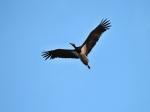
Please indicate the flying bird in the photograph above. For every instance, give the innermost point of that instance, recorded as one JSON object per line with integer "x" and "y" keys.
{"x": 80, "y": 52}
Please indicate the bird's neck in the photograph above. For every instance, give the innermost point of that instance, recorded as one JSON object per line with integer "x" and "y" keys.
{"x": 78, "y": 49}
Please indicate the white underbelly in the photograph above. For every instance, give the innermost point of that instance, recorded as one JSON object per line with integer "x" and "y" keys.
{"x": 84, "y": 59}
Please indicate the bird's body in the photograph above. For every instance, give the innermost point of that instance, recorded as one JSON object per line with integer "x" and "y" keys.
{"x": 84, "y": 59}
{"x": 82, "y": 51}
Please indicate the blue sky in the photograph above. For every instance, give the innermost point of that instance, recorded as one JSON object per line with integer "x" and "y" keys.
{"x": 119, "y": 79}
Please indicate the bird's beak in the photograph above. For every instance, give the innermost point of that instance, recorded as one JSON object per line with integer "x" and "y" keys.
{"x": 71, "y": 44}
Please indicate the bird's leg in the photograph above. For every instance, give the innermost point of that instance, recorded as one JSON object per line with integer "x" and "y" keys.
{"x": 88, "y": 66}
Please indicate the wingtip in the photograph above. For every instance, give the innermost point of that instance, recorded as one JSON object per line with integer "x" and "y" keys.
{"x": 105, "y": 23}
{"x": 105, "y": 20}
{"x": 46, "y": 55}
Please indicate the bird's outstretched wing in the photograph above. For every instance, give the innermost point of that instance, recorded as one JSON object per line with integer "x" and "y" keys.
{"x": 94, "y": 36}
{"x": 59, "y": 53}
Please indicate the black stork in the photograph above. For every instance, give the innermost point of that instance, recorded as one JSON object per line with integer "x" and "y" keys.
{"x": 80, "y": 52}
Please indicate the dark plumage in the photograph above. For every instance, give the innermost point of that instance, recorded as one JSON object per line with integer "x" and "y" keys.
{"x": 83, "y": 50}
{"x": 95, "y": 35}
{"x": 59, "y": 53}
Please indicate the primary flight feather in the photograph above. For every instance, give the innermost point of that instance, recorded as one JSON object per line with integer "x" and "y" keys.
{"x": 82, "y": 51}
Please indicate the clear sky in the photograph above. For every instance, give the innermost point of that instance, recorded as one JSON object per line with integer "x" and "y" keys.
{"x": 119, "y": 79}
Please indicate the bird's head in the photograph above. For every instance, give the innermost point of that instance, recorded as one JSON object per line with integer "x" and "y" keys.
{"x": 73, "y": 45}
{"x": 78, "y": 49}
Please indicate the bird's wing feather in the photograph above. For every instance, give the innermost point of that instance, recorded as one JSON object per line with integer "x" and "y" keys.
{"x": 59, "y": 53}
{"x": 94, "y": 36}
